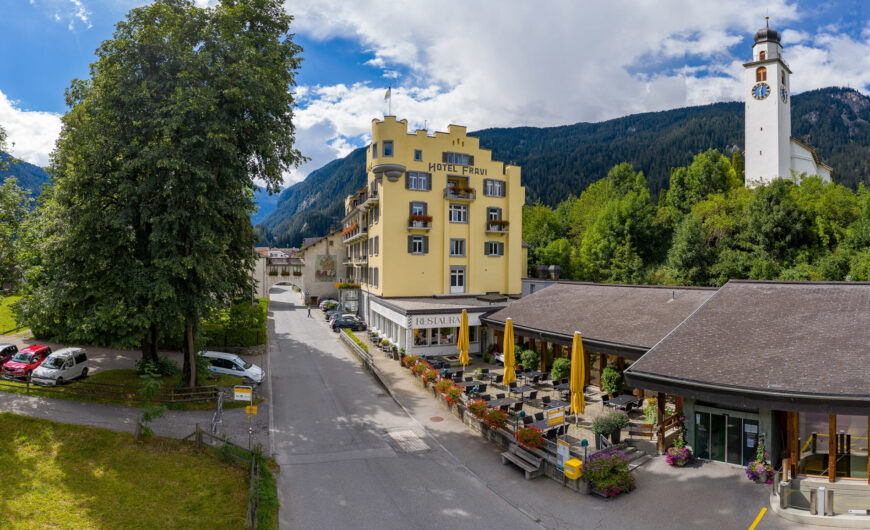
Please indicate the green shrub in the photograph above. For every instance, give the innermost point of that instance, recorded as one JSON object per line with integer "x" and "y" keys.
{"x": 611, "y": 380}
{"x": 353, "y": 337}
{"x": 608, "y": 472}
{"x": 601, "y": 425}
{"x": 163, "y": 366}
{"x": 530, "y": 360}
{"x": 561, "y": 368}
{"x": 617, "y": 420}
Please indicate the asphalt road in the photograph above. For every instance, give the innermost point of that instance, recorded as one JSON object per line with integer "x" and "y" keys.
{"x": 349, "y": 456}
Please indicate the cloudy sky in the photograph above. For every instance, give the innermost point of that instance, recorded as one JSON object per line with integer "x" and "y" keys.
{"x": 483, "y": 64}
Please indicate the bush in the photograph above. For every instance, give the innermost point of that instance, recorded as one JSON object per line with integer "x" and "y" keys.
{"x": 611, "y": 380}
{"x": 495, "y": 418}
{"x": 618, "y": 421}
{"x": 530, "y": 360}
{"x": 487, "y": 358}
{"x": 561, "y": 368}
{"x": 607, "y": 471}
{"x": 601, "y": 425}
{"x": 244, "y": 324}
{"x": 420, "y": 366}
{"x": 477, "y": 407}
{"x": 429, "y": 375}
{"x": 530, "y": 437}
{"x": 163, "y": 366}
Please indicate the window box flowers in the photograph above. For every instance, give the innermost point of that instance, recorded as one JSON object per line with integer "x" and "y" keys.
{"x": 419, "y": 367}
{"x": 530, "y": 437}
{"x": 350, "y": 229}
{"x": 678, "y": 456}
{"x": 453, "y": 395}
{"x": 429, "y": 375}
{"x": 408, "y": 361}
{"x": 477, "y": 407}
{"x": 442, "y": 385}
{"x": 419, "y": 221}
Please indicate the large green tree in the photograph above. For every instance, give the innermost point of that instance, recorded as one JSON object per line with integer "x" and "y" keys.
{"x": 185, "y": 109}
{"x": 14, "y": 203}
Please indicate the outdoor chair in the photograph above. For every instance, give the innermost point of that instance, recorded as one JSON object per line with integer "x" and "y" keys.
{"x": 563, "y": 430}
{"x": 605, "y": 399}
{"x": 628, "y": 407}
{"x": 469, "y": 379}
{"x": 550, "y": 435}
{"x": 512, "y": 385}
{"x": 518, "y": 406}
{"x": 536, "y": 380}
{"x": 481, "y": 388}
{"x": 486, "y": 397}
{"x": 533, "y": 395}
{"x": 545, "y": 400}
{"x": 504, "y": 408}
{"x": 498, "y": 379}
{"x": 499, "y": 396}
{"x": 484, "y": 370}
{"x": 539, "y": 416}
{"x": 527, "y": 420}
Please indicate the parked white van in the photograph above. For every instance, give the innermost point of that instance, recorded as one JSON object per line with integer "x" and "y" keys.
{"x": 230, "y": 364}
{"x": 61, "y": 366}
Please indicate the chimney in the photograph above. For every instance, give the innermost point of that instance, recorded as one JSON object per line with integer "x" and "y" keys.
{"x": 554, "y": 272}
{"x": 542, "y": 272}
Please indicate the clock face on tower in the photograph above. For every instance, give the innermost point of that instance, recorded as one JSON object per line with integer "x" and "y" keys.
{"x": 761, "y": 91}
{"x": 784, "y": 94}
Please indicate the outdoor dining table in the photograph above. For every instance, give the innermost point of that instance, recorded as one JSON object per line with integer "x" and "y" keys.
{"x": 520, "y": 390}
{"x": 563, "y": 386}
{"x": 497, "y": 403}
{"x": 529, "y": 375}
{"x": 622, "y": 401}
{"x": 543, "y": 424}
{"x": 557, "y": 404}
{"x": 452, "y": 370}
{"x": 469, "y": 384}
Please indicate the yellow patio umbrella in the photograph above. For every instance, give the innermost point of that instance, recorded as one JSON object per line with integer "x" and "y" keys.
{"x": 509, "y": 374}
{"x": 578, "y": 375}
{"x": 463, "y": 339}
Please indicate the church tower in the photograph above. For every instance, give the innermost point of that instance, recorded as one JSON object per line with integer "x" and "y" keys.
{"x": 768, "y": 111}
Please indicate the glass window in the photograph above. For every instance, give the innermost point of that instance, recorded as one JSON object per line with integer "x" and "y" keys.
{"x": 472, "y": 333}
{"x": 375, "y": 150}
{"x": 418, "y": 155}
{"x": 446, "y": 336}
{"x": 457, "y": 277}
{"x": 417, "y": 245}
{"x": 457, "y": 247}
{"x": 494, "y": 248}
{"x": 421, "y": 337}
{"x": 417, "y": 208}
{"x": 458, "y": 213}
{"x": 493, "y": 214}
{"x": 419, "y": 181}
{"x": 388, "y": 148}
{"x": 493, "y": 188}
{"x": 761, "y": 74}
{"x": 458, "y": 158}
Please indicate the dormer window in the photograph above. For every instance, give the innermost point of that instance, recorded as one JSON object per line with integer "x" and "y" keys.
{"x": 760, "y": 74}
{"x": 762, "y": 55}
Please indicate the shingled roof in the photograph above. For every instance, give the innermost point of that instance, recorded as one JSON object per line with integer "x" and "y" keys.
{"x": 623, "y": 320}
{"x": 783, "y": 345}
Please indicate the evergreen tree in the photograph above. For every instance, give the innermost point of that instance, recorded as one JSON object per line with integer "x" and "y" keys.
{"x": 688, "y": 257}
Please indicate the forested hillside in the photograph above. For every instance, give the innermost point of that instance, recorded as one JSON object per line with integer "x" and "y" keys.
{"x": 561, "y": 161}
{"x": 29, "y": 177}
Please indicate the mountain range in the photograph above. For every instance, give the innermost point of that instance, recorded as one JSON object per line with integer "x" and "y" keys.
{"x": 29, "y": 176}
{"x": 561, "y": 161}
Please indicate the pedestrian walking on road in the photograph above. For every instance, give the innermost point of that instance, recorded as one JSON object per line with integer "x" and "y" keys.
{"x": 309, "y": 310}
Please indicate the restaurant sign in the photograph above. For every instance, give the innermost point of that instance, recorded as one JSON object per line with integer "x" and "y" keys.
{"x": 442, "y": 320}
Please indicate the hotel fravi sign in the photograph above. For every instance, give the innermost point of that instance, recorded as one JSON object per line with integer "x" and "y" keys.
{"x": 442, "y": 320}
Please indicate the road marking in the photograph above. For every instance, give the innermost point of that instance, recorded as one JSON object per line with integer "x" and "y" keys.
{"x": 758, "y": 519}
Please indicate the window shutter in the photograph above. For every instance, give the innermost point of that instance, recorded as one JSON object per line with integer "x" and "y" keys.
{"x": 425, "y": 208}
{"x": 411, "y": 208}
{"x": 444, "y": 157}
{"x": 425, "y": 244}
{"x": 498, "y": 211}
{"x": 428, "y": 181}
{"x": 501, "y": 249}
{"x": 407, "y": 181}
{"x": 486, "y": 248}
{"x": 410, "y": 244}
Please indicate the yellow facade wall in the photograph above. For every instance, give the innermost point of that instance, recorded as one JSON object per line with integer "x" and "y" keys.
{"x": 403, "y": 274}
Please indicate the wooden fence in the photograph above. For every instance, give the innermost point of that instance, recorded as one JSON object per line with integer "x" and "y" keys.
{"x": 115, "y": 392}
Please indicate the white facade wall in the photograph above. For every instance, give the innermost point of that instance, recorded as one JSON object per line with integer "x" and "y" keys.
{"x": 768, "y": 120}
{"x": 803, "y": 161}
{"x": 310, "y": 282}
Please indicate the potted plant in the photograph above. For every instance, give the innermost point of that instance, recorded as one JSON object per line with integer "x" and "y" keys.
{"x": 530, "y": 437}
{"x": 477, "y": 407}
{"x": 611, "y": 381}
{"x": 617, "y": 421}
{"x": 601, "y": 427}
{"x": 495, "y": 419}
{"x": 679, "y": 455}
{"x": 561, "y": 368}
{"x": 429, "y": 375}
{"x": 453, "y": 395}
{"x": 410, "y": 361}
{"x": 608, "y": 474}
{"x": 760, "y": 470}
{"x": 443, "y": 385}
{"x": 530, "y": 360}
{"x": 420, "y": 367}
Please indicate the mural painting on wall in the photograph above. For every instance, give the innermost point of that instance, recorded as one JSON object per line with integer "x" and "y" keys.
{"x": 325, "y": 268}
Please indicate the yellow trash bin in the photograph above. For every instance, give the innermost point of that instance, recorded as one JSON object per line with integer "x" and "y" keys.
{"x": 573, "y": 469}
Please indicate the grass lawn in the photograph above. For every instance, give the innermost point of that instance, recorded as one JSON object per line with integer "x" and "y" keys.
{"x": 128, "y": 378}
{"x": 7, "y": 320}
{"x": 67, "y": 476}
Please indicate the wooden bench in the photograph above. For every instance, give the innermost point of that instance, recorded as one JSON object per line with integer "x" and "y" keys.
{"x": 529, "y": 463}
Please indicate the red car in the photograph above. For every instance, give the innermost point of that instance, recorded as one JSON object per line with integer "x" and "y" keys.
{"x": 25, "y": 361}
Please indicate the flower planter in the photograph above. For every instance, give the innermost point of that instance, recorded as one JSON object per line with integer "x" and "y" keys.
{"x": 615, "y": 436}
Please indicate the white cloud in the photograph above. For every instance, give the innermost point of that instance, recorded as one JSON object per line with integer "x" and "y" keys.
{"x": 508, "y": 63}
{"x": 31, "y": 133}
{"x": 74, "y": 13}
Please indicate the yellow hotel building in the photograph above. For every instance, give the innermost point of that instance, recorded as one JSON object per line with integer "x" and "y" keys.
{"x": 436, "y": 229}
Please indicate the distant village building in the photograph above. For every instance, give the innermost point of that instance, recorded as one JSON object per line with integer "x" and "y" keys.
{"x": 771, "y": 151}
{"x": 321, "y": 266}
{"x": 273, "y": 266}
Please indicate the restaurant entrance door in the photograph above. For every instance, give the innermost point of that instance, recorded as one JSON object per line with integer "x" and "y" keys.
{"x": 726, "y": 437}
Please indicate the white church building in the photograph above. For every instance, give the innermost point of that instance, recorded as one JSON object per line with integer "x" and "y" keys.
{"x": 771, "y": 151}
